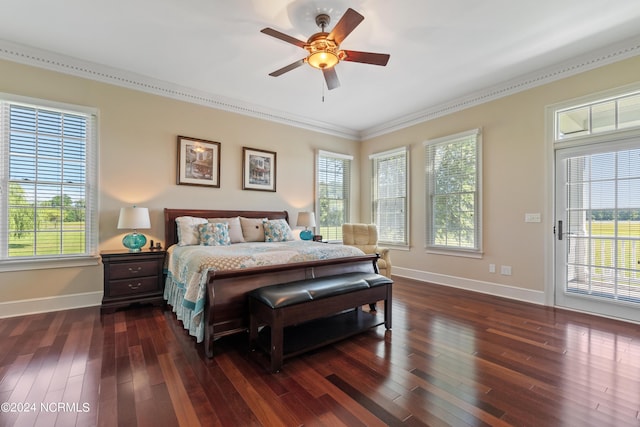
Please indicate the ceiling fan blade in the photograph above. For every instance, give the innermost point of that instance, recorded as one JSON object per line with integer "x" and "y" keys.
{"x": 366, "y": 57}
{"x": 349, "y": 21}
{"x": 331, "y": 77}
{"x": 282, "y": 36}
{"x": 287, "y": 68}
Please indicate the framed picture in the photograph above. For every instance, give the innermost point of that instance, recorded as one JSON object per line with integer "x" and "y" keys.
{"x": 198, "y": 162}
{"x": 258, "y": 169}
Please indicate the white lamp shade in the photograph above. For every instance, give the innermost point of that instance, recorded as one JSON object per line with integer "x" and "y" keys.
{"x": 306, "y": 219}
{"x": 134, "y": 218}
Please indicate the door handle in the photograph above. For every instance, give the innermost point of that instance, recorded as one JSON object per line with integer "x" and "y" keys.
{"x": 560, "y": 229}
{"x": 561, "y": 233}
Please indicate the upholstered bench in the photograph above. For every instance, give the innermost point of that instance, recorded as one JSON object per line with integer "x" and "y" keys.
{"x": 323, "y": 310}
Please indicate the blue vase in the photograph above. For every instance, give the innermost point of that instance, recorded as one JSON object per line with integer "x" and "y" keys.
{"x": 306, "y": 235}
{"x": 134, "y": 241}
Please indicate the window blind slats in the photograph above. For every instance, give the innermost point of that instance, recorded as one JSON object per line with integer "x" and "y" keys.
{"x": 389, "y": 209}
{"x": 333, "y": 175}
{"x": 48, "y": 171}
{"x": 453, "y": 192}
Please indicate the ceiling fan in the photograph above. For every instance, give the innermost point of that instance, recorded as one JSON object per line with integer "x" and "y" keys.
{"x": 324, "y": 48}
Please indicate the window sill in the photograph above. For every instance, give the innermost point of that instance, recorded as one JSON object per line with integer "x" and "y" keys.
{"x": 451, "y": 252}
{"x": 395, "y": 247}
{"x": 48, "y": 263}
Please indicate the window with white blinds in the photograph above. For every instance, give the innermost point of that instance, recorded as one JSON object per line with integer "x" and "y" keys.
{"x": 48, "y": 180}
{"x": 453, "y": 172}
{"x": 333, "y": 182}
{"x": 390, "y": 211}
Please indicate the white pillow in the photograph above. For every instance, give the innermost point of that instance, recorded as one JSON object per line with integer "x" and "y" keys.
{"x": 252, "y": 229}
{"x": 188, "y": 233}
{"x": 235, "y": 230}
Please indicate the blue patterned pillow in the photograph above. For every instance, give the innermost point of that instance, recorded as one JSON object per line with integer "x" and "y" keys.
{"x": 277, "y": 230}
{"x": 214, "y": 234}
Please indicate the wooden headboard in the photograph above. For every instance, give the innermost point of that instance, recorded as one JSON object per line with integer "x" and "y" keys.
{"x": 170, "y": 215}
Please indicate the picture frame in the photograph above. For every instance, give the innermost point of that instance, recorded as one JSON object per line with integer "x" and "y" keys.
{"x": 198, "y": 162}
{"x": 258, "y": 169}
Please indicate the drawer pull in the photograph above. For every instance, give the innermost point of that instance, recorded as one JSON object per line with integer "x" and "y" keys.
{"x": 135, "y": 270}
{"x": 134, "y": 287}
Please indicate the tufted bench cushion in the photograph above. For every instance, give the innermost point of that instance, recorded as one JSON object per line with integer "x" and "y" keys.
{"x": 282, "y": 295}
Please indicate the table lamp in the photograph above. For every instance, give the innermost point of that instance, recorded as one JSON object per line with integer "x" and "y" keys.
{"x": 134, "y": 218}
{"x": 306, "y": 220}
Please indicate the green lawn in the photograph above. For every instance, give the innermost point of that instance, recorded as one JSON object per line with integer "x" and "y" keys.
{"x": 625, "y": 228}
{"x": 51, "y": 240}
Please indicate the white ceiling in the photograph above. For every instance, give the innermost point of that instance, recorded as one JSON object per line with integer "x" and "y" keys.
{"x": 212, "y": 51}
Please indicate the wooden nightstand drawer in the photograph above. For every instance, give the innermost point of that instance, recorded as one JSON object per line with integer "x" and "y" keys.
{"x": 132, "y": 277}
{"x": 133, "y": 269}
{"x": 139, "y": 285}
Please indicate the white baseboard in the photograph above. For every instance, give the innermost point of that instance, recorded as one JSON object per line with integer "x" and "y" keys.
{"x": 91, "y": 299}
{"x": 48, "y": 304}
{"x": 511, "y": 292}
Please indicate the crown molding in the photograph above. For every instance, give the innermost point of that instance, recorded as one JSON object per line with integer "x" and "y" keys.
{"x": 64, "y": 64}
{"x": 595, "y": 59}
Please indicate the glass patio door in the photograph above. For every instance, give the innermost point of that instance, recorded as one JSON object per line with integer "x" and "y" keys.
{"x": 597, "y": 229}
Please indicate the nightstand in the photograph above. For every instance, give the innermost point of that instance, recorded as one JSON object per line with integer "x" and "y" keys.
{"x": 132, "y": 277}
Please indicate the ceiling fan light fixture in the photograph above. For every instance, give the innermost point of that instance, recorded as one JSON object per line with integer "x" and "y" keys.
{"x": 323, "y": 59}
{"x": 323, "y": 48}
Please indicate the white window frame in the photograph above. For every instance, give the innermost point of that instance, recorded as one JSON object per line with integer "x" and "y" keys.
{"x": 430, "y": 244}
{"x": 588, "y": 130}
{"x": 383, "y": 234}
{"x": 348, "y": 159}
{"x": 554, "y": 142}
{"x": 90, "y": 255}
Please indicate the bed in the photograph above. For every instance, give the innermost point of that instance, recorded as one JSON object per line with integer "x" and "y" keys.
{"x": 209, "y": 297}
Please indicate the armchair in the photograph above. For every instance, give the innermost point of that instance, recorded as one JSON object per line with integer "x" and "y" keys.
{"x": 365, "y": 237}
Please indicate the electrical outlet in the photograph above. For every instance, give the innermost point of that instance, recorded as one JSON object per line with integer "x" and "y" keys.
{"x": 505, "y": 270}
{"x": 492, "y": 268}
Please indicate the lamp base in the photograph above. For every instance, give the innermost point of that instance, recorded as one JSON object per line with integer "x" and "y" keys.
{"x": 306, "y": 235}
{"x": 134, "y": 241}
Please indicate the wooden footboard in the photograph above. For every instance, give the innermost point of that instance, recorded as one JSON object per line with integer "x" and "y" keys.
{"x": 227, "y": 310}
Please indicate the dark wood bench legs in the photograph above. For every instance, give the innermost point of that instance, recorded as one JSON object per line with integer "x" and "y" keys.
{"x": 277, "y": 339}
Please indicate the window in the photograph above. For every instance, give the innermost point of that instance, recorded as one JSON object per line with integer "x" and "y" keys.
{"x": 333, "y": 180}
{"x": 48, "y": 181}
{"x": 453, "y": 171}
{"x": 604, "y": 115}
{"x": 389, "y": 195}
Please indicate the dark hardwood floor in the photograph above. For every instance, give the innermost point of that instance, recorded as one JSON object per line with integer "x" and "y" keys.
{"x": 453, "y": 358}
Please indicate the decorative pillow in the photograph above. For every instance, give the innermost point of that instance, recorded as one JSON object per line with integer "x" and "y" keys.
{"x": 252, "y": 229}
{"x": 235, "y": 230}
{"x": 214, "y": 234}
{"x": 188, "y": 230}
{"x": 277, "y": 230}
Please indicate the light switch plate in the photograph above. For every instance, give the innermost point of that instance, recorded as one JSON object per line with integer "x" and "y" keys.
{"x": 532, "y": 217}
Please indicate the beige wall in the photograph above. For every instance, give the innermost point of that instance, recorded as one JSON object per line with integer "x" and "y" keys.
{"x": 515, "y": 176}
{"x": 138, "y": 149}
{"x": 138, "y": 160}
